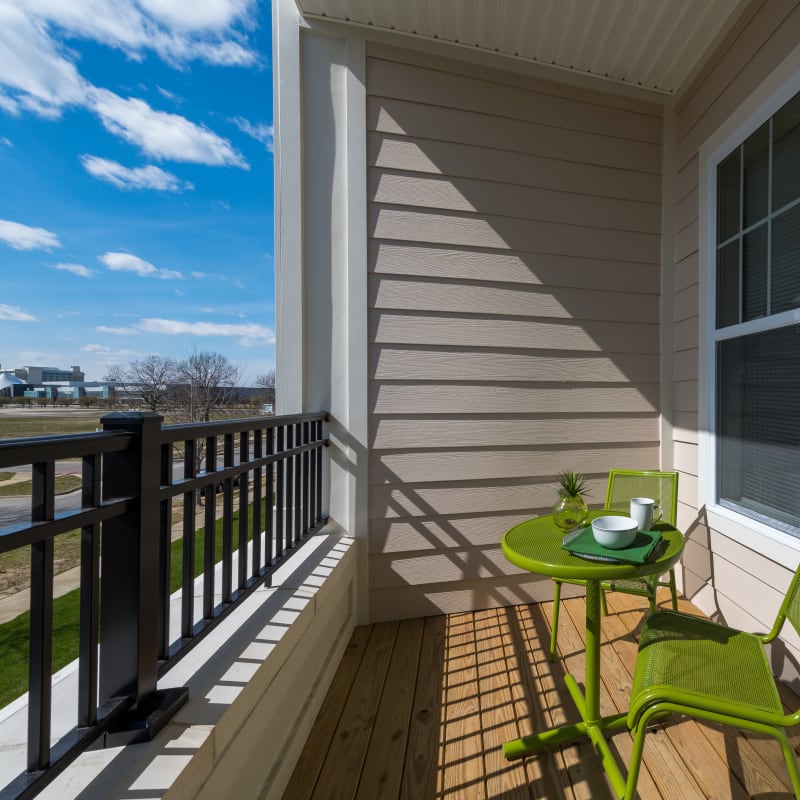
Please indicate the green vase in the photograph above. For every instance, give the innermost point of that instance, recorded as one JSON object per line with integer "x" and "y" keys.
{"x": 570, "y": 512}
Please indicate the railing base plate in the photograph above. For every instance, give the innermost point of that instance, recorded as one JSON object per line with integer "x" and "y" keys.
{"x": 141, "y": 724}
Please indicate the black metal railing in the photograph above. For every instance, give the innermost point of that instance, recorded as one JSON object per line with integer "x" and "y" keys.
{"x": 132, "y": 473}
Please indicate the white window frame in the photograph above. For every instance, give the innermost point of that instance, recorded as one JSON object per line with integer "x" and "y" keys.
{"x": 780, "y": 87}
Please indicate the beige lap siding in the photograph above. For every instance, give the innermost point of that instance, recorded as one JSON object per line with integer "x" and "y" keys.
{"x": 514, "y": 249}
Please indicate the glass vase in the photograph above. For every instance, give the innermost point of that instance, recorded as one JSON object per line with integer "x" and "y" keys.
{"x": 570, "y": 512}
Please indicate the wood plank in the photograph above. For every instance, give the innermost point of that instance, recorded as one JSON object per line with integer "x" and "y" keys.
{"x": 426, "y": 734}
{"x": 462, "y": 768}
{"x": 507, "y": 779}
{"x": 386, "y": 755}
{"x": 341, "y": 771}
{"x": 312, "y": 759}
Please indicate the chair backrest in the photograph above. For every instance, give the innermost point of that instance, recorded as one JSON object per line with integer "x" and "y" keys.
{"x": 623, "y": 484}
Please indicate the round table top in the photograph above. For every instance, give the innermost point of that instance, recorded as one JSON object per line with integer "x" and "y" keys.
{"x": 535, "y": 545}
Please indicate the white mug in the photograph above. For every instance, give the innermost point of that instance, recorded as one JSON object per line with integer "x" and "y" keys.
{"x": 645, "y": 511}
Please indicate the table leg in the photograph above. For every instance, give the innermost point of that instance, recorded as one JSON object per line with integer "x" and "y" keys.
{"x": 588, "y": 704}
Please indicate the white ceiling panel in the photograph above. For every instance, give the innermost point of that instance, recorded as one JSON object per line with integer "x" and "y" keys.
{"x": 654, "y": 44}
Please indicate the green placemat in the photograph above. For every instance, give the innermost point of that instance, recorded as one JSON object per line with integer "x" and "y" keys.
{"x": 637, "y": 552}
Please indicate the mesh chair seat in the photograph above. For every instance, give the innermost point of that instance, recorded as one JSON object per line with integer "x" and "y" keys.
{"x": 689, "y": 665}
{"x": 699, "y": 659}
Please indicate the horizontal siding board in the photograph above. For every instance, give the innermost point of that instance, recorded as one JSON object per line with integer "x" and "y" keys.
{"x": 533, "y": 496}
{"x": 594, "y": 336}
{"x": 686, "y": 240}
{"x": 400, "y": 536}
{"x": 506, "y": 233}
{"x": 528, "y": 301}
{"x": 685, "y": 333}
{"x": 504, "y": 77}
{"x": 686, "y": 210}
{"x": 496, "y": 464}
{"x": 444, "y": 89}
{"x": 394, "y": 570}
{"x": 508, "y": 200}
{"x": 415, "y": 433}
{"x": 421, "y": 121}
{"x": 685, "y": 458}
{"x": 506, "y": 166}
{"x": 685, "y": 426}
{"x": 684, "y": 395}
{"x": 403, "y": 258}
{"x": 475, "y": 398}
{"x": 390, "y": 363}
{"x": 441, "y": 598}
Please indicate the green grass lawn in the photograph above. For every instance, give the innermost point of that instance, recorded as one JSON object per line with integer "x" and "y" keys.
{"x": 14, "y": 644}
{"x": 51, "y": 424}
{"x": 64, "y": 483}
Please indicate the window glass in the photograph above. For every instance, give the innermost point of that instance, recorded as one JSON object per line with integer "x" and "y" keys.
{"x": 786, "y": 154}
{"x": 728, "y": 197}
{"x": 756, "y": 176}
{"x": 754, "y": 273}
{"x": 728, "y": 285}
{"x": 758, "y": 436}
{"x": 785, "y": 283}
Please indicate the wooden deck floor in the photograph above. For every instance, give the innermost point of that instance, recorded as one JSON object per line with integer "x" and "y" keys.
{"x": 420, "y": 708}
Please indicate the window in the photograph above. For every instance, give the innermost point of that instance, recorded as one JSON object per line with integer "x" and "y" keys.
{"x": 757, "y": 325}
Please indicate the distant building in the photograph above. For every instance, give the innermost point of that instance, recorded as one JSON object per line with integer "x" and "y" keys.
{"x": 12, "y": 386}
{"x": 39, "y": 375}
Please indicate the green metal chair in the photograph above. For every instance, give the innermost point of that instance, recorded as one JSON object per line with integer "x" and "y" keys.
{"x": 623, "y": 484}
{"x": 688, "y": 665}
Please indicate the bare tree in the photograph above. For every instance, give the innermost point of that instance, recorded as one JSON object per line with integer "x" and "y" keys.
{"x": 267, "y": 383}
{"x": 151, "y": 379}
{"x": 205, "y": 383}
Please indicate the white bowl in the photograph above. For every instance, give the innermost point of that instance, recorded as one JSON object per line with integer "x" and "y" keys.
{"x": 614, "y": 532}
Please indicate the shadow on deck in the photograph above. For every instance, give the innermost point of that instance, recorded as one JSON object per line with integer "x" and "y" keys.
{"x": 420, "y": 708}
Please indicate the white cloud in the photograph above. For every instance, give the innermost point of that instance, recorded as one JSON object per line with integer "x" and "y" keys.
{"x": 199, "y": 15}
{"x": 5, "y": 141}
{"x": 260, "y": 131}
{"x": 24, "y": 237}
{"x": 35, "y": 73}
{"x": 249, "y": 335}
{"x": 127, "y": 262}
{"x": 160, "y": 134}
{"x": 125, "y": 178}
{"x": 75, "y": 269}
{"x": 15, "y": 314}
{"x": 116, "y": 331}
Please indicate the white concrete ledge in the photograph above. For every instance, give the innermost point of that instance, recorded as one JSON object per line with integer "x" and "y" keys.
{"x": 255, "y": 686}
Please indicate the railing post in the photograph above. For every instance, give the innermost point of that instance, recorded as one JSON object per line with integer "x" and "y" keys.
{"x": 129, "y": 608}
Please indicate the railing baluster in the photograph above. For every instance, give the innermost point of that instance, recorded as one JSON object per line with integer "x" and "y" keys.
{"x": 189, "y": 525}
{"x": 41, "y": 620}
{"x": 280, "y": 471}
{"x": 318, "y": 459}
{"x": 209, "y": 545}
{"x": 306, "y": 479}
{"x": 244, "y": 497}
{"x": 227, "y": 522}
{"x": 289, "y": 529}
{"x": 258, "y": 442}
{"x": 89, "y": 596}
{"x": 298, "y": 488}
{"x": 271, "y": 493}
{"x": 165, "y": 550}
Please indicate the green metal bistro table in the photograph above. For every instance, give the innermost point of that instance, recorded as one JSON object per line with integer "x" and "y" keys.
{"x": 535, "y": 545}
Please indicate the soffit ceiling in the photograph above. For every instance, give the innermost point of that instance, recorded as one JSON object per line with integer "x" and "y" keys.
{"x": 653, "y": 44}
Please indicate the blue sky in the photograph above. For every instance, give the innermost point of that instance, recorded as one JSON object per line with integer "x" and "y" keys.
{"x": 136, "y": 182}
